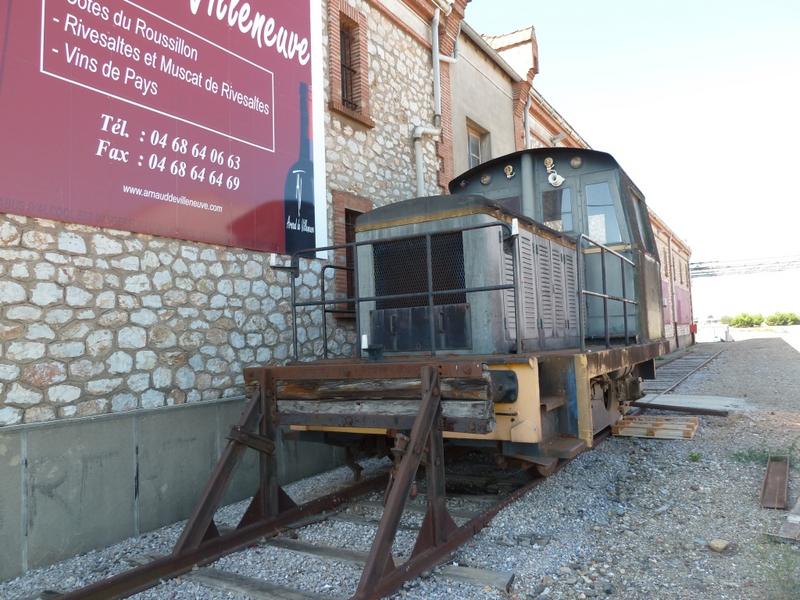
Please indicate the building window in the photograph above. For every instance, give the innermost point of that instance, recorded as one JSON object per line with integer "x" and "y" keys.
{"x": 477, "y": 144}
{"x": 348, "y": 62}
{"x": 474, "y": 148}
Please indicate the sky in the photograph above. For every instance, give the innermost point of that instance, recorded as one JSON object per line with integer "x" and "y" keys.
{"x": 698, "y": 101}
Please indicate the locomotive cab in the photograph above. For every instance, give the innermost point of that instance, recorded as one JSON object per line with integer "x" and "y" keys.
{"x": 543, "y": 249}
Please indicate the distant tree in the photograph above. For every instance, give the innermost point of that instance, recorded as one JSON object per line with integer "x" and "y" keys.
{"x": 747, "y": 320}
{"x": 725, "y": 320}
{"x": 783, "y": 318}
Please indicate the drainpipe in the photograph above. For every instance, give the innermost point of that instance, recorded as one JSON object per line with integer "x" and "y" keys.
{"x": 454, "y": 58}
{"x": 446, "y": 6}
{"x": 419, "y": 131}
{"x": 437, "y": 75}
{"x": 442, "y": 6}
{"x": 526, "y": 122}
{"x": 437, "y": 58}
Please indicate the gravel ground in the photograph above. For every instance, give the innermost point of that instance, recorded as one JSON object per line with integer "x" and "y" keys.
{"x": 631, "y": 519}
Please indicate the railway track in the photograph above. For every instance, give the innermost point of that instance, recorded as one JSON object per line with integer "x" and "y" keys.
{"x": 672, "y": 373}
{"x": 341, "y": 537}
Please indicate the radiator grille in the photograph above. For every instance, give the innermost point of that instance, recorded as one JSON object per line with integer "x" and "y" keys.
{"x": 545, "y": 270}
{"x": 527, "y": 257}
{"x": 400, "y": 267}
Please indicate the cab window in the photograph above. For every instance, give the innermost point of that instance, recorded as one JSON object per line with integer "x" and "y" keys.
{"x": 602, "y": 214}
{"x": 557, "y": 209}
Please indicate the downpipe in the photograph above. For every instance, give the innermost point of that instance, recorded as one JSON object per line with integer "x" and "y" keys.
{"x": 419, "y": 132}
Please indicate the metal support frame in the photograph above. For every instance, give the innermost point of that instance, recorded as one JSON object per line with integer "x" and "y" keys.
{"x": 430, "y": 294}
{"x": 270, "y": 510}
{"x": 437, "y": 523}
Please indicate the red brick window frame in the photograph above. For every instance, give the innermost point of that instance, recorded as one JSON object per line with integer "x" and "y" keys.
{"x": 346, "y": 207}
{"x": 348, "y": 62}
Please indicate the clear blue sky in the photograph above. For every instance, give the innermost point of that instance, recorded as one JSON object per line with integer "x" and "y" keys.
{"x": 698, "y": 101}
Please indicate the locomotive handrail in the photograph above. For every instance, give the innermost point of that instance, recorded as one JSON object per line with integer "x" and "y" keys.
{"x": 430, "y": 293}
{"x": 583, "y": 237}
{"x": 604, "y": 295}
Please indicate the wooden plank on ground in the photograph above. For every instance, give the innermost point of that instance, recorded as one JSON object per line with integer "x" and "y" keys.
{"x": 775, "y": 490}
{"x": 484, "y": 577}
{"x": 258, "y": 589}
{"x": 417, "y": 508}
{"x": 499, "y": 580}
{"x": 366, "y": 521}
{"x": 672, "y": 428}
{"x": 661, "y": 419}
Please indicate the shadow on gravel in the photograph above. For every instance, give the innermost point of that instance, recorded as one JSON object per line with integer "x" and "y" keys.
{"x": 783, "y": 571}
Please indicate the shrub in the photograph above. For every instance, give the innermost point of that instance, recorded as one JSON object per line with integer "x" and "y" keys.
{"x": 783, "y": 318}
{"x": 747, "y": 320}
{"x": 725, "y": 320}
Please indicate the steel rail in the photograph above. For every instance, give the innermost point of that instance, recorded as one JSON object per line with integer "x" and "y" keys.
{"x": 687, "y": 375}
{"x": 146, "y": 576}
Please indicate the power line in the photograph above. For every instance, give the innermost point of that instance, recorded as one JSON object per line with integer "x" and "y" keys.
{"x": 716, "y": 268}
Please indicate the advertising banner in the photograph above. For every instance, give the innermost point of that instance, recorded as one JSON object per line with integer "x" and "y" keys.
{"x": 192, "y": 119}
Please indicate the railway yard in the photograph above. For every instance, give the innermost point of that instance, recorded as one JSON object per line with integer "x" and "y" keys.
{"x": 633, "y": 518}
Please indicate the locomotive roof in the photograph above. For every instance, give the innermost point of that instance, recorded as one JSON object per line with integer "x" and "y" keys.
{"x": 429, "y": 208}
{"x": 559, "y": 153}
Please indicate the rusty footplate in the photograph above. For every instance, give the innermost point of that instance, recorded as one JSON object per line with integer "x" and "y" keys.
{"x": 362, "y": 394}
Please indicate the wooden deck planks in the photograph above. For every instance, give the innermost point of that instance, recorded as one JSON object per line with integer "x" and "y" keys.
{"x": 660, "y": 427}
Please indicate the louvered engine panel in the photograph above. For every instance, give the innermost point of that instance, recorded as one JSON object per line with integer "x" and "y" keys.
{"x": 508, "y": 296}
{"x": 571, "y": 286}
{"x": 527, "y": 261}
{"x": 559, "y": 291}
{"x": 544, "y": 269}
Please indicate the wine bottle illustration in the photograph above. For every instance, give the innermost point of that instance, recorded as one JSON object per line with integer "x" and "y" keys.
{"x": 298, "y": 192}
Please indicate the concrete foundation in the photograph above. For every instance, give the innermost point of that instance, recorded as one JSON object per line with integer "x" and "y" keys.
{"x": 69, "y": 486}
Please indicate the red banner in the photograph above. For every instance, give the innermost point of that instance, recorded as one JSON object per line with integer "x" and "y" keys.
{"x": 187, "y": 119}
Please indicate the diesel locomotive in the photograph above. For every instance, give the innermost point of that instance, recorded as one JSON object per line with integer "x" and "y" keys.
{"x": 539, "y": 269}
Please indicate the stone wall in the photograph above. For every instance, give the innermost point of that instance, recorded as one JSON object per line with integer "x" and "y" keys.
{"x": 96, "y": 320}
{"x": 378, "y": 162}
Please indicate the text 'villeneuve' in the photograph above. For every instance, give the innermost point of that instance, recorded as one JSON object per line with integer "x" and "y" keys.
{"x": 260, "y": 27}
